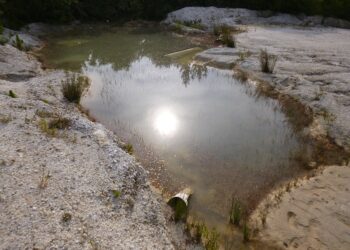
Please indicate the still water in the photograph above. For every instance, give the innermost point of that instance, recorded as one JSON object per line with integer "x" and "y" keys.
{"x": 191, "y": 126}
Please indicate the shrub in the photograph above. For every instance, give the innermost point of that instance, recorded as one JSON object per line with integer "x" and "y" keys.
{"x": 224, "y": 34}
{"x": 73, "y": 88}
{"x": 12, "y": 94}
{"x": 18, "y": 43}
{"x": 267, "y": 61}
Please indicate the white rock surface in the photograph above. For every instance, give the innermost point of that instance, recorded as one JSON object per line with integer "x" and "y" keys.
{"x": 212, "y": 16}
{"x": 42, "y": 177}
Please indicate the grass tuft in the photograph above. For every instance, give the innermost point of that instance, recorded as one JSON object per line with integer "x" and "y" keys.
{"x": 59, "y": 123}
{"x": 116, "y": 193}
{"x": 66, "y": 217}
{"x": 128, "y": 148}
{"x": 236, "y": 212}
{"x": 73, "y": 88}
{"x": 44, "y": 127}
{"x": 246, "y": 233}
{"x": 267, "y": 61}
{"x": 18, "y": 43}
{"x": 224, "y": 34}
{"x": 44, "y": 180}
{"x": 12, "y": 94}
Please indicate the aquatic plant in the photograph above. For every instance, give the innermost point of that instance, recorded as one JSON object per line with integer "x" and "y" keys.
{"x": 12, "y": 94}
{"x": 212, "y": 240}
{"x": 73, "y": 87}
{"x": 267, "y": 61}
{"x": 246, "y": 233}
{"x": 236, "y": 212}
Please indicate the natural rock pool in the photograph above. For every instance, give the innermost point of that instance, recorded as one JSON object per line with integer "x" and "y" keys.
{"x": 191, "y": 126}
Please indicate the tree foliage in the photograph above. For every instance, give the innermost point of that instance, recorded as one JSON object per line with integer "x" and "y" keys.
{"x": 23, "y": 11}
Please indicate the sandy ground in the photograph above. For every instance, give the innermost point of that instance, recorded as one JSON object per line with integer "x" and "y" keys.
{"x": 75, "y": 190}
{"x": 308, "y": 214}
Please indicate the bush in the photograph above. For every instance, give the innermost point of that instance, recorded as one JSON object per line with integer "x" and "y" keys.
{"x": 267, "y": 62}
{"x": 73, "y": 88}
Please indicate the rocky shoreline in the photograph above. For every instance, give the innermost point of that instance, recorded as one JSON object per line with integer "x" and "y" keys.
{"x": 75, "y": 189}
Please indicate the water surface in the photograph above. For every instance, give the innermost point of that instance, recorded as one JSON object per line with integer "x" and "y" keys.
{"x": 190, "y": 125}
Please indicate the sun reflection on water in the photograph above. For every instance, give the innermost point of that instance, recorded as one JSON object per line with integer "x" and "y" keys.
{"x": 166, "y": 122}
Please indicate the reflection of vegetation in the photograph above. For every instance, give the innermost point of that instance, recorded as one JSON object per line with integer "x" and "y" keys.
{"x": 191, "y": 72}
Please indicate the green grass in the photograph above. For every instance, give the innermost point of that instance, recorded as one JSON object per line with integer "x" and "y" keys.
{"x": 73, "y": 88}
{"x": 212, "y": 240}
{"x": 236, "y": 212}
{"x": 267, "y": 61}
{"x": 116, "y": 193}
{"x": 128, "y": 148}
{"x": 44, "y": 127}
{"x": 18, "y": 43}
{"x": 246, "y": 233}
{"x": 12, "y": 94}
